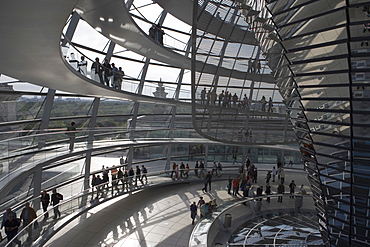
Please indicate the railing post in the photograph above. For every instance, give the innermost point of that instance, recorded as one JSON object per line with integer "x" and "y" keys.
{"x": 48, "y": 105}
{"x": 37, "y": 188}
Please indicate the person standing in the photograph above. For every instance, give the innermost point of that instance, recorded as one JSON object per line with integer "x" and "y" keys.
{"x": 193, "y": 212}
{"x": 125, "y": 181}
{"x": 145, "y": 172}
{"x": 73, "y": 61}
{"x": 258, "y": 66}
{"x": 196, "y": 168}
{"x": 235, "y": 183}
{"x": 153, "y": 32}
{"x": 259, "y": 192}
{"x": 45, "y": 200}
{"x": 302, "y": 190}
{"x": 93, "y": 182}
{"x": 115, "y": 75}
{"x": 131, "y": 174}
{"x": 138, "y": 176}
{"x": 114, "y": 176}
{"x": 27, "y": 216}
{"x": 268, "y": 192}
{"x": 97, "y": 71}
{"x": 205, "y": 182}
{"x": 121, "y": 74}
{"x": 55, "y": 199}
{"x": 187, "y": 170}
{"x": 200, "y": 202}
{"x": 229, "y": 185}
{"x": 105, "y": 178}
{"x": 280, "y": 191}
{"x": 71, "y": 133}
{"x": 209, "y": 181}
{"x": 270, "y": 109}
{"x": 173, "y": 170}
{"x": 268, "y": 177}
{"x": 203, "y": 96}
{"x": 291, "y": 163}
{"x": 219, "y": 169}
{"x": 11, "y": 229}
{"x": 292, "y": 186}
{"x": 201, "y": 167}
{"x": 235, "y": 159}
{"x": 99, "y": 184}
{"x": 263, "y": 103}
{"x": 177, "y": 172}
{"x": 107, "y": 71}
{"x": 120, "y": 176}
{"x": 282, "y": 175}
{"x": 82, "y": 66}
{"x": 214, "y": 168}
{"x": 220, "y": 98}
{"x": 160, "y": 34}
{"x": 274, "y": 171}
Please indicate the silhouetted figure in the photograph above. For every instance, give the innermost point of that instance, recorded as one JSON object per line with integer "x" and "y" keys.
{"x": 97, "y": 71}
{"x": 71, "y": 133}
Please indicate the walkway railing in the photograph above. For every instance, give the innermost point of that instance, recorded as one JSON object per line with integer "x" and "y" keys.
{"x": 82, "y": 201}
{"x": 227, "y": 217}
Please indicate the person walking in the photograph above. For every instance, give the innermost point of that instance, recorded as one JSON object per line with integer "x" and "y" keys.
{"x": 71, "y": 133}
{"x": 182, "y": 170}
{"x": 145, "y": 172}
{"x": 193, "y": 212}
{"x": 45, "y": 200}
{"x": 93, "y": 182}
{"x": 11, "y": 229}
{"x": 5, "y": 216}
{"x": 55, "y": 199}
{"x": 280, "y": 191}
{"x": 27, "y": 216}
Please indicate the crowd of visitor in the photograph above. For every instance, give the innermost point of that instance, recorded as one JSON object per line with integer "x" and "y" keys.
{"x": 246, "y": 184}
{"x": 122, "y": 177}
{"x": 227, "y": 99}
{"x": 106, "y": 73}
